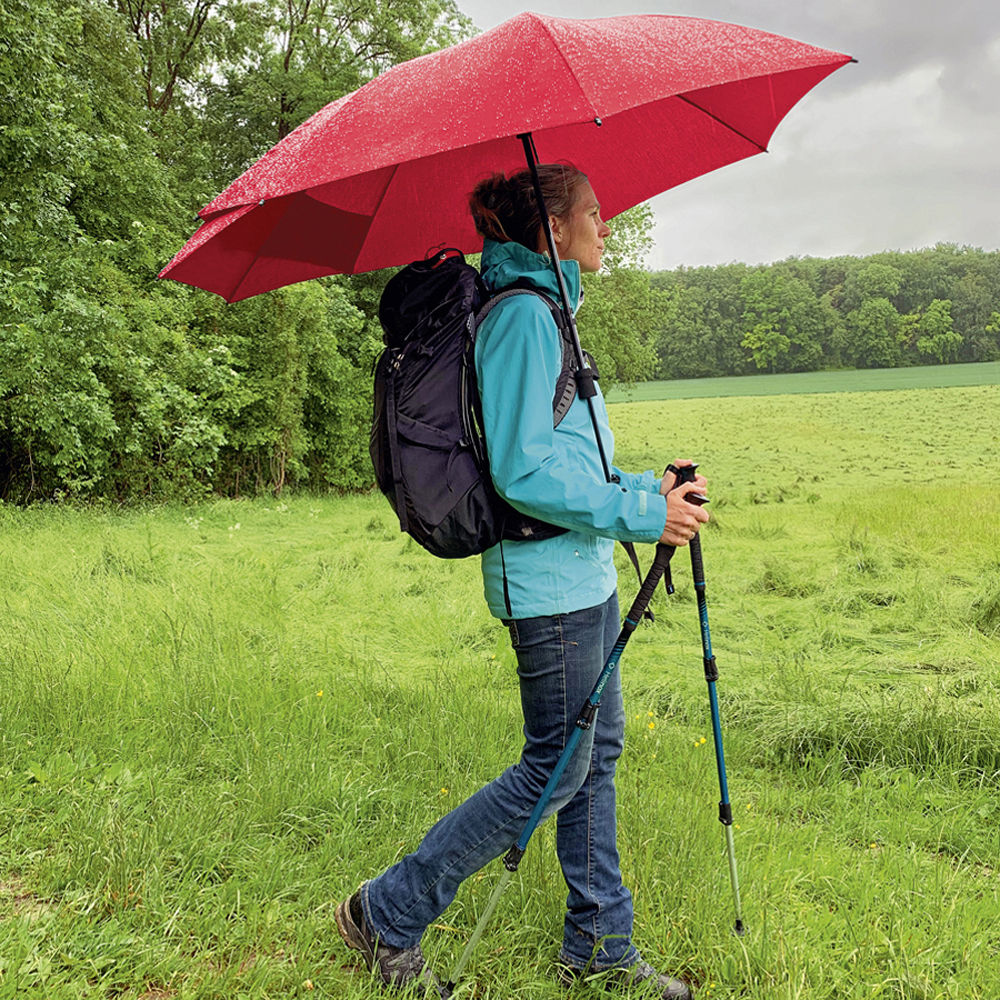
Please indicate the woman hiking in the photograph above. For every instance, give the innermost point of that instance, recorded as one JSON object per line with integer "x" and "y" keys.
{"x": 557, "y": 596}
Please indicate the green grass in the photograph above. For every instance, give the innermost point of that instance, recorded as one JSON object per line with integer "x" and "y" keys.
{"x": 216, "y": 720}
{"x": 868, "y": 380}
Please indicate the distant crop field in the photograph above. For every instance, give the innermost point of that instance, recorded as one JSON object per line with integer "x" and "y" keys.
{"x": 869, "y": 380}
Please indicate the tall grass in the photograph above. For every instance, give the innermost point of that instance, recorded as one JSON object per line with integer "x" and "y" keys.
{"x": 215, "y": 721}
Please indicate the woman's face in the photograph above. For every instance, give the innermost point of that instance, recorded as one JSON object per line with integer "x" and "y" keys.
{"x": 580, "y": 236}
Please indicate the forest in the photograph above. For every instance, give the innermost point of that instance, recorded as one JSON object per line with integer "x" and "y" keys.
{"x": 120, "y": 119}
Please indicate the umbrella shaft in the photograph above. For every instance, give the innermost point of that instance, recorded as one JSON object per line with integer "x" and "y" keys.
{"x": 585, "y": 386}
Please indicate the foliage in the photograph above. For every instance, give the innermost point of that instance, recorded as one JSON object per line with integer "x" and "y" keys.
{"x": 928, "y": 306}
{"x": 786, "y": 324}
{"x": 935, "y": 334}
{"x": 872, "y": 330}
{"x": 701, "y": 331}
{"x": 115, "y": 385}
{"x": 619, "y": 304}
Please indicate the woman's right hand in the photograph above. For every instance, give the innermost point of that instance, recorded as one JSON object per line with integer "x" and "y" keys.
{"x": 684, "y": 519}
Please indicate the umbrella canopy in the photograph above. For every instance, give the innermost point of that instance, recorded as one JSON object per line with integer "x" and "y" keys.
{"x": 639, "y": 103}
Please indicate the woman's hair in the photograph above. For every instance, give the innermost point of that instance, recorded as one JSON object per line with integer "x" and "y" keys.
{"x": 505, "y": 209}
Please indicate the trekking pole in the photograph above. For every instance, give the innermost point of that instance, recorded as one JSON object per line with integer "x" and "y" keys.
{"x": 711, "y": 675}
{"x": 512, "y": 858}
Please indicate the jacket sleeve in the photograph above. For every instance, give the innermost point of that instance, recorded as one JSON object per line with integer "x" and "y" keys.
{"x": 554, "y": 475}
{"x": 648, "y": 481}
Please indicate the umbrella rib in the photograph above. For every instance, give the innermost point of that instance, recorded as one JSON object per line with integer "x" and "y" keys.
{"x": 724, "y": 124}
{"x": 231, "y": 297}
{"x": 385, "y": 190}
{"x": 571, "y": 71}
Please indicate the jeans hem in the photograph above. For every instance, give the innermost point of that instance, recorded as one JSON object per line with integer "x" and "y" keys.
{"x": 587, "y": 966}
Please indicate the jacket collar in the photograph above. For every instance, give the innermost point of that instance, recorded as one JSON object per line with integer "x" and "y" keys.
{"x": 505, "y": 263}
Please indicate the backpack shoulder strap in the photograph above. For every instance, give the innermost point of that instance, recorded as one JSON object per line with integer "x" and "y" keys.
{"x": 565, "y": 391}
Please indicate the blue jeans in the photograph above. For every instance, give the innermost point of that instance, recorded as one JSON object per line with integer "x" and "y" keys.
{"x": 559, "y": 660}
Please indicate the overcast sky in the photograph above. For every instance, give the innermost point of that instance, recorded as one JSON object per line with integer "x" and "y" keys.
{"x": 900, "y": 151}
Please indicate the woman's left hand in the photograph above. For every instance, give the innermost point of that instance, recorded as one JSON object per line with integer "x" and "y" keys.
{"x": 684, "y": 518}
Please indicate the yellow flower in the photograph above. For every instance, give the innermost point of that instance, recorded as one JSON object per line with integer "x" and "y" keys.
{"x": 652, "y": 725}
{"x": 444, "y": 791}
{"x": 650, "y": 714}
{"x": 319, "y": 694}
{"x": 703, "y": 740}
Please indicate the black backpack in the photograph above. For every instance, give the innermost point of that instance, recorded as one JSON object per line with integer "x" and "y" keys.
{"x": 427, "y": 443}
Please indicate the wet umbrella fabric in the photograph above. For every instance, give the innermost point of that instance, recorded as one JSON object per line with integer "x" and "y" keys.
{"x": 640, "y": 103}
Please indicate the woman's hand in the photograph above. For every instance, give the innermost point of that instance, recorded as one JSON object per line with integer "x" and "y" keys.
{"x": 684, "y": 519}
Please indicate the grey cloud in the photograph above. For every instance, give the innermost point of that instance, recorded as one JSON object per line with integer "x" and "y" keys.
{"x": 899, "y": 151}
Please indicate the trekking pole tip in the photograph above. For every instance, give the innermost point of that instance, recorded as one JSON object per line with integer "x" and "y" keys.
{"x": 738, "y": 929}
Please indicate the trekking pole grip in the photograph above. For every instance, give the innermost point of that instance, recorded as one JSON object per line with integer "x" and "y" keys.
{"x": 697, "y": 566}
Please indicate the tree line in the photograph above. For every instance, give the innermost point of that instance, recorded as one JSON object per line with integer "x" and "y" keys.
{"x": 119, "y": 119}
{"x": 891, "y": 309}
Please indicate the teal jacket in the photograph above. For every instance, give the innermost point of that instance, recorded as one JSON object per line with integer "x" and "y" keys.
{"x": 554, "y": 475}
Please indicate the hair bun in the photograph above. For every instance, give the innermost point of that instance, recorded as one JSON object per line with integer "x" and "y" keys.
{"x": 505, "y": 209}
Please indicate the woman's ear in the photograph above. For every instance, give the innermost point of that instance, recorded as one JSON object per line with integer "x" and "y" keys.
{"x": 556, "y": 226}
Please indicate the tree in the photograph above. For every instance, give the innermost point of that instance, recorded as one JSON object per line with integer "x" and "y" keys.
{"x": 989, "y": 343}
{"x": 701, "y": 322}
{"x": 766, "y": 344}
{"x": 181, "y": 42}
{"x": 309, "y": 53}
{"x": 872, "y": 335}
{"x": 785, "y": 323}
{"x": 870, "y": 279}
{"x": 620, "y": 308}
{"x": 115, "y": 384}
{"x": 936, "y": 338}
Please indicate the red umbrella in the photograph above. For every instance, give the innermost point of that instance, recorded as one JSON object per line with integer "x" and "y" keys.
{"x": 639, "y": 103}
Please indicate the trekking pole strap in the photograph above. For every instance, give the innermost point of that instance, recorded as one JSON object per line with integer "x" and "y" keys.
{"x": 661, "y": 560}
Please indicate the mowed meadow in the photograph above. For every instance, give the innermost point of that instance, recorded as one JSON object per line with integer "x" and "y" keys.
{"x": 217, "y": 720}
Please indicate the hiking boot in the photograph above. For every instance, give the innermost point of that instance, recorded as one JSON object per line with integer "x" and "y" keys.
{"x": 640, "y": 980}
{"x": 395, "y": 967}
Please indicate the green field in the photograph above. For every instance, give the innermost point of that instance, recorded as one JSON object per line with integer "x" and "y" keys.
{"x": 868, "y": 380}
{"x": 216, "y": 720}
